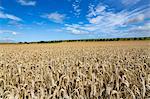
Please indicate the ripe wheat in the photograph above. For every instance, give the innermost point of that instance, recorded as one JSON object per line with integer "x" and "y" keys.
{"x": 74, "y": 71}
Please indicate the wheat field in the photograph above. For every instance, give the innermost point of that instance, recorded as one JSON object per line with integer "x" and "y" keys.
{"x": 78, "y": 70}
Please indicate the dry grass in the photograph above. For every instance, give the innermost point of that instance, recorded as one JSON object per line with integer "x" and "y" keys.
{"x": 93, "y": 70}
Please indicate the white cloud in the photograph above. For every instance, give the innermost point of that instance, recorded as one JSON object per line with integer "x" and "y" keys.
{"x": 27, "y": 2}
{"x": 93, "y": 11}
{"x": 7, "y": 40}
{"x": 8, "y": 31}
{"x": 9, "y": 16}
{"x": 145, "y": 28}
{"x": 107, "y": 22}
{"x": 14, "y": 33}
{"x": 137, "y": 31}
{"x": 76, "y": 29}
{"x": 56, "y": 17}
{"x": 15, "y": 23}
{"x": 100, "y": 8}
{"x": 130, "y": 2}
{"x": 139, "y": 15}
{"x": 76, "y": 7}
{"x": 1, "y": 8}
{"x": 136, "y": 19}
{"x": 39, "y": 23}
{"x": 95, "y": 20}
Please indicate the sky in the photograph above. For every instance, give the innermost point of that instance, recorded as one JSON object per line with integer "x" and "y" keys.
{"x": 44, "y": 20}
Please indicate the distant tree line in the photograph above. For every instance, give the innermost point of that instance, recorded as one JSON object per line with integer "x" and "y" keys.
{"x": 88, "y": 40}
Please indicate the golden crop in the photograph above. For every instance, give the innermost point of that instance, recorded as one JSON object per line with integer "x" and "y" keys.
{"x": 75, "y": 71}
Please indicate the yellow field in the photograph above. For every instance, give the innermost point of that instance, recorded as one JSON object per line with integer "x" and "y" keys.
{"x": 79, "y": 70}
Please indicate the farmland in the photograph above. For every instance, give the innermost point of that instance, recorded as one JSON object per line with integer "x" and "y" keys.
{"x": 75, "y": 70}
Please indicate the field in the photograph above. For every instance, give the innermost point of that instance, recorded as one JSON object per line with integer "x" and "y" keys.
{"x": 75, "y": 70}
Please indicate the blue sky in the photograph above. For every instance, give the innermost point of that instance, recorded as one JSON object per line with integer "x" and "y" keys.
{"x": 36, "y": 20}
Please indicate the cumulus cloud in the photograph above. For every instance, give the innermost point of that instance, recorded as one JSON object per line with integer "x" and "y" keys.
{"x": 102, "y": 21}
{"x": 27, "y": 2}
{"x": 55, "y": 17}
{"x": 9, "y": 16}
